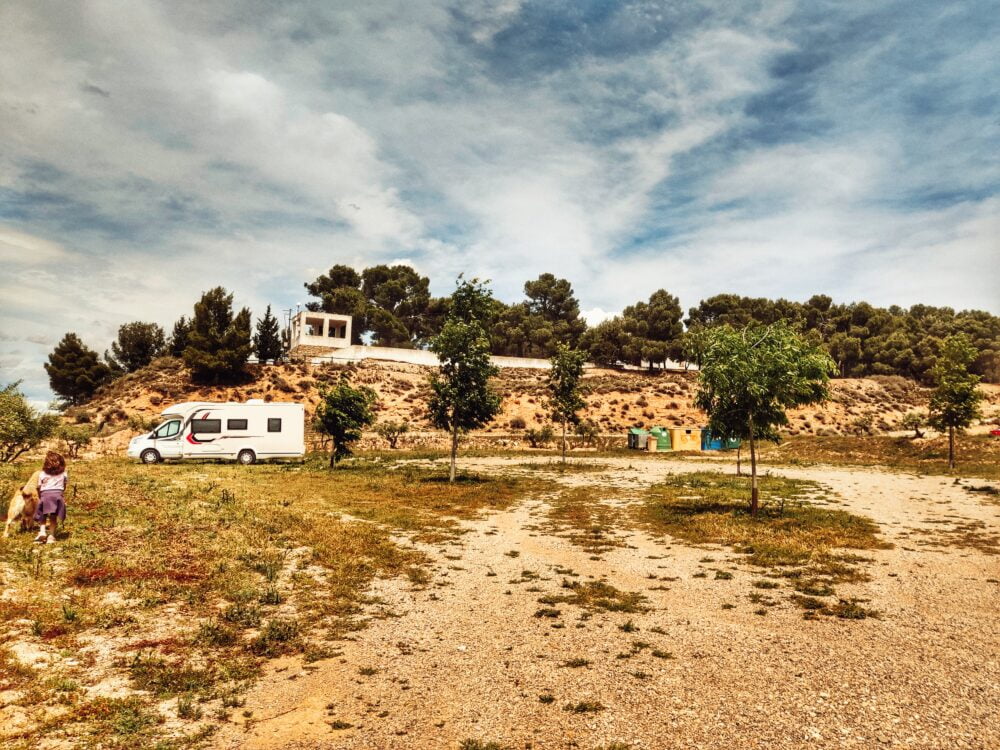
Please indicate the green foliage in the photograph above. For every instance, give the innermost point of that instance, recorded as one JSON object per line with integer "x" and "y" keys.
{"x": 606, "y": 343}
{"x": 390, "y": 303}
{"x": 539, "y": 437}
{"x": 654, "y": 329}
{"x": 342, "y": 413}
{"x": 955, "y": 400}
{"x": 267, "y": 338}
{"x": 179, "y": 337}
{"x": 749, "y": 377}
{"x": 219, "y": 342}
{"x": 588, "y": 430}
{"x": 863, "y": 339}
{"x": 461, "y": 396}
{"x": 22, "y": 427}
{"x": 533, "y": 328}
{"x": 75, "y": 436}
{"x": 137, "y": 345}
{"x": 913, "y": 420}
{"x": 392, "y": 431}
{"x": 75, "y": 371}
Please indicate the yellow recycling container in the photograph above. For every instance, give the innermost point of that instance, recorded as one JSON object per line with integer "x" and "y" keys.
{"x": 685, "y": 438}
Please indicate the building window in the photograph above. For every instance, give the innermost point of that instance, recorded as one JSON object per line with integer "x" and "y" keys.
{"x": 206, "y": 426}
{"x": 274, "y": 425}
{"x": 236, "y": 424}
{"x": 314, "y": 326}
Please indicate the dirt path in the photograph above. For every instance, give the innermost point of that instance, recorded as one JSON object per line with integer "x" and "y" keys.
{"x": 467, "y": 659}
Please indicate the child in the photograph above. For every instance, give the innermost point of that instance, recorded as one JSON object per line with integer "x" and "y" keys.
{"x": 51, "y": 497}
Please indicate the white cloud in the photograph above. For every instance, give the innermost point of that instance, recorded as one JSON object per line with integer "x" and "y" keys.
{"x": 20, "y": 248}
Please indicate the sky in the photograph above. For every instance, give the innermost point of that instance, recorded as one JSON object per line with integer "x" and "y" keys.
{"x": 152, "y": 150}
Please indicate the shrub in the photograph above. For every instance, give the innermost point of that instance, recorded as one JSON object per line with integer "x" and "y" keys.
{"x": 587, "y": 429}
{"x": 392, "y": 431}
{"x": 517, "y": 423}
{"x": 74, "y": 437}
{"x": 22, "y": 427}
{"x": 539, "y": 437}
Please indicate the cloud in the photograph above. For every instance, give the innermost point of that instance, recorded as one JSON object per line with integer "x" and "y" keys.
{"x": 152, "y": 151}
{"x": 21, "y": 248}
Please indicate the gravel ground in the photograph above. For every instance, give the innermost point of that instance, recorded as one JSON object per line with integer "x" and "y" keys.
{"x": 465, "y": 658}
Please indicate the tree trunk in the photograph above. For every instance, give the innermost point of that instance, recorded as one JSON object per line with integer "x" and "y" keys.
{"x": 333, "y": 456}
{"x": 564, "y": 441}
{"x": 739, "y": 464}
{"x": 951, "y": 447}
{"x": 454, "y": 452}
{"x": 753, "y": 472}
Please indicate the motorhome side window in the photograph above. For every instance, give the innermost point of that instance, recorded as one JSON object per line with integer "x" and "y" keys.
{"x": 236, "y": 424}
{"x": 274, "y": 425}
{"x": 169, "y": 429}
{"x": 202, "y": 426}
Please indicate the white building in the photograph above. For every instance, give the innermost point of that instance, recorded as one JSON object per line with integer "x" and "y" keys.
{"x": 311, "y": 331}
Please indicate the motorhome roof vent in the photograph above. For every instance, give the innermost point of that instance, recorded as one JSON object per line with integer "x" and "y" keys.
{"x": 255, "y": 401}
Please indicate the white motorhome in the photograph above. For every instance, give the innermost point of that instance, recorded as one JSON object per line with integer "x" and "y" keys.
{"x": 244, "y": 432}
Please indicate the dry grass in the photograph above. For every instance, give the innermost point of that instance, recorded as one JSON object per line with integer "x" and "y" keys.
{"x": 584, "y": 517}
{"x": 977, "y": 455}
{"x": 594, "y": 595}
{"x": 788, "y": 532}
{"x": 191, "y": 575}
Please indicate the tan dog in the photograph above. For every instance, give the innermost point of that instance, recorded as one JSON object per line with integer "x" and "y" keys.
{"x": 22, "y": 505}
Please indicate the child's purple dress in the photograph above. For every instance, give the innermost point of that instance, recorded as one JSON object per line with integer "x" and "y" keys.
{"x": 51, "y": 496}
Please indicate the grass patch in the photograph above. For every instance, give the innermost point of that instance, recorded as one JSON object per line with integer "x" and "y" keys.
{"x": 223, "y": 545}
{"x": 789, "y": 531}
{"x": 593, "y": 595}
{"x": 977, "y": 455}
{"x": 582, "y": 517}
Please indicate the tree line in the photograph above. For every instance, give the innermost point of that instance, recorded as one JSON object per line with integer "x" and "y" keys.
{"x": 751, "y": 376}
{"x": 393, "y": 306}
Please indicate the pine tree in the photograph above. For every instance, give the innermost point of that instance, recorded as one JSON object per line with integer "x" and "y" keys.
{"x": 219, "y": 343}
{"x": 179, "y": 337}
{"x": 267, "y": 340}
{"x": 137, "y": 345}
{"x": 75, "y": 371}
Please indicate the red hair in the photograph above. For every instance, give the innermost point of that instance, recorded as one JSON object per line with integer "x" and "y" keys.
{"x": 54, "y": 463}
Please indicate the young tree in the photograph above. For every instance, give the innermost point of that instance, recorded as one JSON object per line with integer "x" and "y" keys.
{"x": 179, "y": 337}
{"x": 392, "y": 432}
{"x": 749, "y": 377}
{"x": 955, "y": 400}
{"x": 267, "y": 339}
{"x": 75, "y": 371}
{"x": 219, "y": 342}
{"x": 22, "y": 427}
{"x": 342, "y": 413}
{"x": 137, "y": 345}
{"x": 564, "y": 388}
{"x": 461, "y": 397}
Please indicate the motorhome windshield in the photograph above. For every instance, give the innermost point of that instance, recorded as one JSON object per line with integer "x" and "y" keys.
{"x": 168, "y": 429}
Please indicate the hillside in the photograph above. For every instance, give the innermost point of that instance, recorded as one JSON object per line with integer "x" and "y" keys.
{"x": 616, "y": 400}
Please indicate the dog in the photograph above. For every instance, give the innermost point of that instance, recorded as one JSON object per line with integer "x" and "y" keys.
{"x": 22, "y": 505}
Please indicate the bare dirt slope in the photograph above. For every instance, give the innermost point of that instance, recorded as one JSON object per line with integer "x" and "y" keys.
{"x": 466, "y": 658}
{"x": 616, "y": 400}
